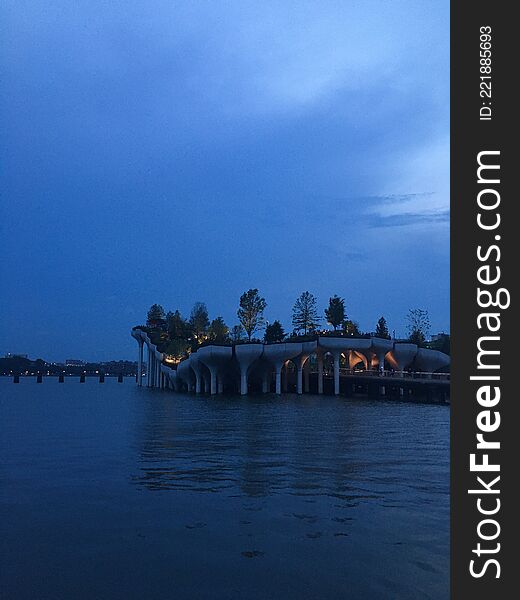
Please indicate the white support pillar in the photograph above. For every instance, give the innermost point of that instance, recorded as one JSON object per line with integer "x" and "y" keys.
{"x": 336, "y": 373}
{"x": 306, "y": 376}
{"x": 320, "y": 374}
{"x": 148, "y": 366}
{"x": 286, "y": 377}
{"x": 140, "y": 364}
{"x": 213, "y": 380}
{"x": 381, "y": 363}
{"x": 243, "y": 382}
{"x": 266, "y": 379}
{"x": 278, "y": 369}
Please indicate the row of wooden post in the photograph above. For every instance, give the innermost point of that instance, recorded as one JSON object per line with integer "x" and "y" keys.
{"x": 61, "y": 378}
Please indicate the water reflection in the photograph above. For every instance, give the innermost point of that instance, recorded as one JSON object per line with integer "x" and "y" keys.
{"x": 310, "y": 447}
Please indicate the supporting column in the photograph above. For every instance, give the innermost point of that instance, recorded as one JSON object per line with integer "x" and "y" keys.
{"x": 265, "y": 381}
{"x": 148, "y": 367}
{"x": 213, "y": 380}
{"x": 207, "y": 384}
{"x": 220, "y": 385}
{"x": 278, "y": 369}
{"x": 320, "y": 374}
{"x": 306, "y": 373}
{"x": 336, "y": 373}
{"x": 286, "y": 377}
{"x": 140, "y": 364}
{"x": 381, "y": 363}
{"x": 243, "y": 382}
{"x": 299, "y": 380}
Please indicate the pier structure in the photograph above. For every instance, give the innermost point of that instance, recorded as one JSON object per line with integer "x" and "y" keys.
{"x": 326, "y": 364}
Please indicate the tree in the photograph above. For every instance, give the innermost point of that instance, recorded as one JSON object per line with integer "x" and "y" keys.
{"x": 218, "y": 331}
{"x": 237, "y": 333}
{"x": 418, "y": 326}
{"x": 177, "y": 349}
{"x": 199, "y": 321}
{"x": 335, "y": 313}
{"x": 178, "y": 327}
{"x": 251, "y": 311}
{"x": 155, "y": 315}
{"x": 274, "y": 332}
{"x": 305, "y": 315}
{"x": 382, "y": 329}
{"x": 351, "y": 328}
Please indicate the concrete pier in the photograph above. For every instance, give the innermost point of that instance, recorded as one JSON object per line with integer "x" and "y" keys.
{"x": 326, "y": 363}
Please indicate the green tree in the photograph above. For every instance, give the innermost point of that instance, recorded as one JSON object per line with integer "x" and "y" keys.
{"x": 335, "y": 313}
{"x": 351, "y": 328}
{"x": 177, "y": 349}
{"x": 274, "y": 332}
{"x": 382, "y": 329}
{"x": 305, "y": 314}
{"x": 199, "y": 321}
{"x": 237, "y": 333}
{"x": 155, "y": 315}
{"x": 178, "y": 327}
{"x": 418, "y": 326}
{"x": 218, "y": 331}
{"x": 251, "y": 311}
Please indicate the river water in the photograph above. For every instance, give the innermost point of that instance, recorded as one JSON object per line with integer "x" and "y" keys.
{"x": 110, "y": 491}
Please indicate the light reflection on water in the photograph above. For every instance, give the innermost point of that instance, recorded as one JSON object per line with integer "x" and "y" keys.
{"x": 114, "y": 491}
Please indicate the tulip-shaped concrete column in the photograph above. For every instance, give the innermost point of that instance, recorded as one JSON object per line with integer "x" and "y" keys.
{"x": 277, "y": 355}
{"x": 137, "y": 334}
{"x": 431, "y": 360}
{"x": 140, "y": 364}
{"x": 158, "y": 363}
{"x": 197, "y": 369}
{"x": 215, "y": 358}
{"x": 402, "y": 355}
{"x": 336, "y": 346}
{"x": 320, "y": 373}
{"x": 246, "y": 355}
{"x": 307, "y": 349}
{"x": 149, "y": 368}
{"x": 381, "y": 347}
{"x": 185, "y": 374}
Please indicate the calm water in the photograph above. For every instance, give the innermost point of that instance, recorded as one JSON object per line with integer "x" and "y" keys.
{"x": 109, "y": 491}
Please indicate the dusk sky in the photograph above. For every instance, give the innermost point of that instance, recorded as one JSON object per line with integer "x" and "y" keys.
{"x": 173, "y": 152}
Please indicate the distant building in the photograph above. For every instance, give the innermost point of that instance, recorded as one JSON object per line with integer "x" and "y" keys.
{"x": 74, "y": 362}
{"x": 439, "y": 337}
{"x": 13, "y": 355}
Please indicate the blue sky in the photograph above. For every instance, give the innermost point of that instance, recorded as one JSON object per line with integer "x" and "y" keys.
{"x": 176, "y": 152}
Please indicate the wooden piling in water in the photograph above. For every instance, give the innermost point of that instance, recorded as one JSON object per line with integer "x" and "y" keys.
{"x": 16, "y": 379}
{"x": 82, "y": 378}
{"x": 39, "y": 378}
